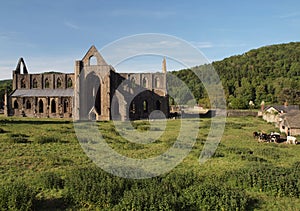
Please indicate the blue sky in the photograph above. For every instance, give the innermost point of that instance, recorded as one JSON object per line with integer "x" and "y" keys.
{"x": 51, "y": 35}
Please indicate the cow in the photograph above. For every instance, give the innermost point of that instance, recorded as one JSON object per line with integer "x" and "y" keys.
{"x": 256, "y": 134}
{"x": 274, "y": 137}
{"x": 263, "y": 137}
{"x": 291, "y": 140}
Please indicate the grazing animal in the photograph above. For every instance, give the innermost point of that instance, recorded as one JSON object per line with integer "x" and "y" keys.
{"x": 275, "y": 137}
{"x": 256, "y": 134}
{"x": 291, "y": 140}
{"x": 263, "y": 137}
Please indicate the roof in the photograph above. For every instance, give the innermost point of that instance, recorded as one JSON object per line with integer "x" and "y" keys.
{"x": 43, "y": 93}
{"x": 283, "y": 108}
{"x": 292, "y": 119}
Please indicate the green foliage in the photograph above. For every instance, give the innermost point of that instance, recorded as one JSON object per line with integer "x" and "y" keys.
{"x": 270, "y": 74}
{"x": 241, "y": 175}
{"x": 48, "y": 139}
{"x": 277, "y": 181}
{"x": 95, "y": 188}
{"x": 4, "y": 85}
{"x": 51, "y": 180}
{"x": 18, "y": 138}
{"x": 16, "y": 196}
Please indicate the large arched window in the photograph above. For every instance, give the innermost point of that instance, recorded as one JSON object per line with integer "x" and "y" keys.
{"x": 34, "y": 83}
{"x": 66, "y": 105}
{"x": 47, "y": 84}
{"x": 16, "y": 104}
{"x": 70, "y": 83}
{"x": 133, "y": 84}
{"x": 93, "y": 92}
{"x": 41, "y": 106}
{"x": 93, "y": 60}
{"x": 53, "y": 106}
{"x": 28, "y": 104}
{"x": 23, "y": 83}
{"x": 145, "y": 106}
{"x": 156, "y": 82}
{"x": 116, "y": 111}
{"x": 58, "y": 83}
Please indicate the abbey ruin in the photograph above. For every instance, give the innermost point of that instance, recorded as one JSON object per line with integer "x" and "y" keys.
{"x": 94, "y": 91}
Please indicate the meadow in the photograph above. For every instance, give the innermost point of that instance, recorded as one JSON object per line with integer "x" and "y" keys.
{"x": 43, "y": 167}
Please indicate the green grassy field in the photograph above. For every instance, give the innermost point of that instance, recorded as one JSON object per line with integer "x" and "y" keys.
{"x": 43, "y": 164}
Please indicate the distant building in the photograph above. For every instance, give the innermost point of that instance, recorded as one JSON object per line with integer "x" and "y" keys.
{"x": 272, "y": 113}
{"x": 95, "y": 91}
{"x": 289, "y": 123}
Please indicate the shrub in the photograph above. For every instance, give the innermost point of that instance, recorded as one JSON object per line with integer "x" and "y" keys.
{"x": 18, "y": 138}
{"x": 51, "y": 180}
{"x": 48, "y": 139}
{"x": 16, "y": 196}
{"x": 94, "y": 186}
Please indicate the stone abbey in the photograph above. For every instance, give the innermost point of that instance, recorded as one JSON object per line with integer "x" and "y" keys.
{"x": 94, "y": 91}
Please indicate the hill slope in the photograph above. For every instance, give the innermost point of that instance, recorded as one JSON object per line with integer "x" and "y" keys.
{"x": 270, "y": 74}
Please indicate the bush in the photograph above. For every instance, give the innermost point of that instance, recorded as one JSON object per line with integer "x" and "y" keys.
{"x": 18, "y": 138}
{"x": 94, "y": 186}
{"x": 48, "y": 139}
{"x": 51, "y": 180}
{"x": 214, "y": 197}
{"x": 16, "y": 196}
{"x": 278, "y": 181}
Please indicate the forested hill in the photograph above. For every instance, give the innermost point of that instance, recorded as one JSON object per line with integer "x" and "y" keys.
{"x": 270, "y": 74}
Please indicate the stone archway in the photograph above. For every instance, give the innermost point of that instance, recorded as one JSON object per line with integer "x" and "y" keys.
{"x": 93, "y": 93}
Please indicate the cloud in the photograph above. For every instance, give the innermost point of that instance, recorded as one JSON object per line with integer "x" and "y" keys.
{"x": 290, "y": 15}
{"x": 141, "y": 13}
{"x": 71, "y": 25}
{"x": 7, "y": 35}
{"x": 202, "y": 44}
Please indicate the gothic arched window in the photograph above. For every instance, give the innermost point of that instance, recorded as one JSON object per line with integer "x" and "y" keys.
{"x": 58, "y": 83}
{"x": 145, "y": 82}
{"x": 70, "y": 83}
{"x": 23, "y": 83}
{"x": 34, "y": 83}
{"x": 47, "y": 84}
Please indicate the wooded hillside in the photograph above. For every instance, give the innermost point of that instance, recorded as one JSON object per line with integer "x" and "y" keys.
{"x": 270, "y": 74}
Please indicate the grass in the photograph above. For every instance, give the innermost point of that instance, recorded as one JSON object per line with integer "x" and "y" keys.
{"x": 42, "y": 152}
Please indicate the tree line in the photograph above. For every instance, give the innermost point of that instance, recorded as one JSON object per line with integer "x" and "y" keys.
{"x": 270, "y": 74}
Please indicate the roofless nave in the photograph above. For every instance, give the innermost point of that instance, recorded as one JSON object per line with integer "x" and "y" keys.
{"x": 93, "y": 91}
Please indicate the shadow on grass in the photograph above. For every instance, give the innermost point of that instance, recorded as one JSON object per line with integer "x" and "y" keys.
{"x": 34, "y": 122}
{"x": 51, "y": 204}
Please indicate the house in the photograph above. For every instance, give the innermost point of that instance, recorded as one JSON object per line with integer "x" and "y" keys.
{"x": 289, "y": 123}
{"x": 272, "y": 113}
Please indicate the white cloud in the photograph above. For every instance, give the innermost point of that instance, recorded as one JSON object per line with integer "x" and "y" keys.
{"x": 290, "y": 15}
{"x": 141, "y": 13}
{"x": 71, "y": 25}
{"x": 202, "y": 44}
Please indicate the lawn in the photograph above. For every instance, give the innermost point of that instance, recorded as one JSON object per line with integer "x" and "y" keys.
{"x": 43, "y": 166}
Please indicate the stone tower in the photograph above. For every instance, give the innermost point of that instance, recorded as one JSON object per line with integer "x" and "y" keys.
{"x": 164, "y": 66}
